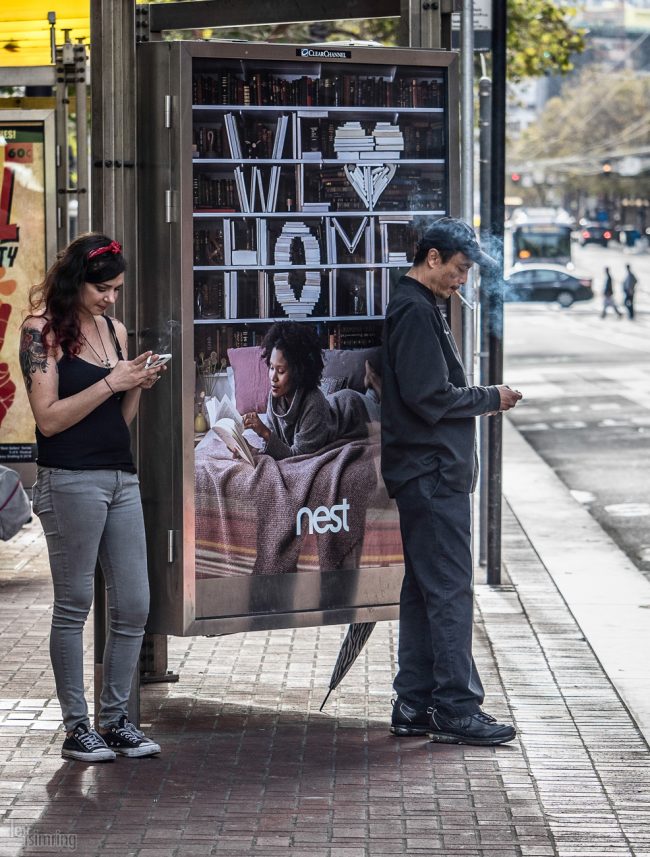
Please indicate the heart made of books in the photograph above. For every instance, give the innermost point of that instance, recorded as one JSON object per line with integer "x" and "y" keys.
{"x": 370, "y": 158}
{"x": 303, "y": 306}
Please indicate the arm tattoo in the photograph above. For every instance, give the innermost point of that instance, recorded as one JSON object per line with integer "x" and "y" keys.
{"x": 33, "y": 354}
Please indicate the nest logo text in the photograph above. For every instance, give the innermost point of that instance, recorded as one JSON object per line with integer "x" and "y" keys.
{"x": 324, "y": 519}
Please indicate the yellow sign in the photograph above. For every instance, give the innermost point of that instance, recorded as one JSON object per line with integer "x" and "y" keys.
{"x": 25, "y": 30}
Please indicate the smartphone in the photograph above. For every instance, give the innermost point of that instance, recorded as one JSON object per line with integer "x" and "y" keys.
{"x": 162, "y": 358}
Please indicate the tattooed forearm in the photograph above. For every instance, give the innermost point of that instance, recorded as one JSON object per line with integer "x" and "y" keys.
{"x": 33, "y": 354}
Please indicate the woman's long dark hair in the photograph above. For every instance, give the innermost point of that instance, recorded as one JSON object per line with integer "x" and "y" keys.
{"x": 59, "y": 295}
{"x": 301, "y": 348}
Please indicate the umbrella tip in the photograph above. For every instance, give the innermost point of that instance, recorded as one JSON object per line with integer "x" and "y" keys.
{"x": 325, "y": 700}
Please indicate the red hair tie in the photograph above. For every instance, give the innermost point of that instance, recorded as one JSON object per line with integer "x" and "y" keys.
{"x": 114, "y": 247}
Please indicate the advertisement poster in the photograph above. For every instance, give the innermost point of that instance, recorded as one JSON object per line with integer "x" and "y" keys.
{"x": 22, "y": 264}
{"x": 309, "y": 183}
{"x": 280, "y": 512}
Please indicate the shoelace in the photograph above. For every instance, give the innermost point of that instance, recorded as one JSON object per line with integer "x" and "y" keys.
{"x": 89, "y": 740}
{"x": 485, "y": 717}
{"x": 130, "y": 732}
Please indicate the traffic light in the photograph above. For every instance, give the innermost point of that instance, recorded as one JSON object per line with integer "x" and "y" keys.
{"x": 515, "y": 178}
{"x": 607, "y": 167}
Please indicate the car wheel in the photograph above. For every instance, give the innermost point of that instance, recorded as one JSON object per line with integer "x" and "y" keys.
{"x": 565, "y": 299}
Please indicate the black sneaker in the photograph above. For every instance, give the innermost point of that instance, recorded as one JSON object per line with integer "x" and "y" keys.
{"x": 127, "y": 740}
{"x": 86, "y": 745}
{"x": 478, "y": 728}
{"x": 408, "y": 721}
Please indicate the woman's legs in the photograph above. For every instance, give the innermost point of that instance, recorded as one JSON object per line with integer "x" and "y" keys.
{"x": 86, "y": 515}
{"x": 72, "y": 506}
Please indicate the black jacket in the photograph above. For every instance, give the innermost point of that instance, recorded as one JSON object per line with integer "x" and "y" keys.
{"x": 427, "y": 409}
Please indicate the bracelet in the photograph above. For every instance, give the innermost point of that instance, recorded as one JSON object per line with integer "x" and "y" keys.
{"x": 109, "y": 386}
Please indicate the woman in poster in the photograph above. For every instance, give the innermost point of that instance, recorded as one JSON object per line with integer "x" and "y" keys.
{"x": 301, "y": 418}
{"x": 84, "y": 391}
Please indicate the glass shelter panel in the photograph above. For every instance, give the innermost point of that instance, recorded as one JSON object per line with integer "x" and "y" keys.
{"x": 305, "y": 180}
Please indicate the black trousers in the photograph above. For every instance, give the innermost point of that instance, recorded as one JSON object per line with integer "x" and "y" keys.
{"x": 436, "y": 666}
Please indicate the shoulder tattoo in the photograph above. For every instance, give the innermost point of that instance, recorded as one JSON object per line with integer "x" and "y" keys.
{"x": 33, "y": 354}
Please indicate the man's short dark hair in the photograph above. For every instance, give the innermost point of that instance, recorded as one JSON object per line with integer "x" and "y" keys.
{"x": 449, "y": 236}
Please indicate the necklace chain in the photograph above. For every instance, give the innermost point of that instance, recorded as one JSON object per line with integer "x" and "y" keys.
{"x": 281, "y": 416}
{"x": 105, "y": 361}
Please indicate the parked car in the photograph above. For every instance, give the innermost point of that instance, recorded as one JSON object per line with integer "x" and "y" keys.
{"x": 547, "y": 283}
{"x": 595, "y": 233}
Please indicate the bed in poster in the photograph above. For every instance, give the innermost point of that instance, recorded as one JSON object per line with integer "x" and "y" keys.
{"x": 319, "y": 512}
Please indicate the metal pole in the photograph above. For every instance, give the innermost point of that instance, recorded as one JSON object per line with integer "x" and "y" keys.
{"x": 62, "y": 169}
{"x": 467, "y": 172}
{"x": 485, "y": 157}
{"x": 81, "y": 114}
{"x": 113, "y": 107}
{"x": 495, "y": 321}
{"x": 51, "y": 18}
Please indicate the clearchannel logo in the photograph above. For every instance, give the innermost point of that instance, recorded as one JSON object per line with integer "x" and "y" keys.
{"x": 323, "y": 53}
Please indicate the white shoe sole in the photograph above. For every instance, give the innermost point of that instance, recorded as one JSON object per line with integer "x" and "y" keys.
{"x": 106, "y": 755}
{"x": 150, "y": 748}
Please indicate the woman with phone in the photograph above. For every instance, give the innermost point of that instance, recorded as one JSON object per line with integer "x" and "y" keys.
{"x": 84, "y": 392}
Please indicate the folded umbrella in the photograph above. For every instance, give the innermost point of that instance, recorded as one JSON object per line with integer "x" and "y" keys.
{"x": 354, "y": 641}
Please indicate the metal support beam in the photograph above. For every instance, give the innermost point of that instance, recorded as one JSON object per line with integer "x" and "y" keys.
{"x": 113, "y": 186}
{"x": 214, "y": 13}
{"x": 467, "y": 174}
{"x": 497, "y": 221}
{"x": 113, "y": 148}
{"x": 28, "y": 75}
{"x": 427, "y": 23}
{"x": 485, "y": 159}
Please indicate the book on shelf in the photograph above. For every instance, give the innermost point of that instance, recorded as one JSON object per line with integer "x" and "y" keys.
{"x": 244, "y": 257}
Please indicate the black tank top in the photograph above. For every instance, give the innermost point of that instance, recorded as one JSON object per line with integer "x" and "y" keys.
{"x": 101, "y": 440}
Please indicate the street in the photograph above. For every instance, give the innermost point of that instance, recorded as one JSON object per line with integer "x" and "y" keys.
{"x": 586, "y": 406}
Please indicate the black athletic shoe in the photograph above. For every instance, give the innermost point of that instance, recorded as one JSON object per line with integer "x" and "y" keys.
{"x": 479, "y": 728}
{"x": 86, "y": 745}
{"x": 407, "y": 721}
{"x": 127, "y": 740}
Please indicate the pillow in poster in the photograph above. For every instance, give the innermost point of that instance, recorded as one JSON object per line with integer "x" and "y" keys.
{"x": 251, "y": 377}
{"x": 333, "y": 385}
{"x": 340, "y": 363}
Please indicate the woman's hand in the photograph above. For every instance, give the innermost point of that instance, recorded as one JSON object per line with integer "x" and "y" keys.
{"x": 252, "y": 421}
{"x": 128, "y": 374}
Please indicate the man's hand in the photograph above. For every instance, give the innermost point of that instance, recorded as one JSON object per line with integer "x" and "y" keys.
{"x": 508, "y": 397}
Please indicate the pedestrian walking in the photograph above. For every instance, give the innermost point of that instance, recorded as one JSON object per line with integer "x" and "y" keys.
{"x": 84, "y": 391}
{"x": 629, "y": 290}
{"x": 608, "y": 296}
{"x": 429, "y": 466}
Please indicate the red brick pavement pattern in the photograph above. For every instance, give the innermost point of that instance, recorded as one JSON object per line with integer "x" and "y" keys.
{"x": 250, "y": 767}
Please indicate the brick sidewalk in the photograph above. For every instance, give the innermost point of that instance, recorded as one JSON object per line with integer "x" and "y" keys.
{"x": 250, "y": 767}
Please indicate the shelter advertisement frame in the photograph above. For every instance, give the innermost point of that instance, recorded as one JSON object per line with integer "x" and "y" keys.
{"x": 264, "y": 195}
{"x": 27, "y": 244}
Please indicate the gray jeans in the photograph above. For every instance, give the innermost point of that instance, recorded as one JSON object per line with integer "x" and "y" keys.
{"x": 86, "y": 515}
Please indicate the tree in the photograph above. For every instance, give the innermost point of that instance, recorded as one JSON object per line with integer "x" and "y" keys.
{"x": 598, "y": 114}
{"x": 541, "y": 39}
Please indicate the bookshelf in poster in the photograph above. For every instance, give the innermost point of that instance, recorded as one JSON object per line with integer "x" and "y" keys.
{"x": 309, "y": 189}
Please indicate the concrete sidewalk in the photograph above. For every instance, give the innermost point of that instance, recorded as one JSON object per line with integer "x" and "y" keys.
{"x": 250, "y": 767}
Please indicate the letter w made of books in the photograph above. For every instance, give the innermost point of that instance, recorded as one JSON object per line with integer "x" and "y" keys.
{"x": 228, "y": 424}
